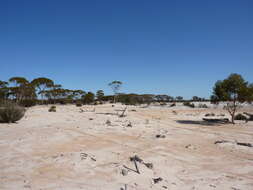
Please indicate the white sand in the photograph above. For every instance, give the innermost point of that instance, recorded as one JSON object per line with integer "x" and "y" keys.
{"x": 68, "y": 151}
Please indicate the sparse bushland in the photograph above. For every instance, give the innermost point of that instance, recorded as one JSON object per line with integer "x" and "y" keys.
{"x": 44, "y": 91}
{"x": 233, "y": 90}
{"x": 10, "y": 112}
{"x": 198, "y": 99}
{"x": 38, "y": 91}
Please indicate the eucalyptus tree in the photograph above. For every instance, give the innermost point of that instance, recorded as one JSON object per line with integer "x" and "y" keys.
{"x": 100, "y": 94}
{"x": 179, "y": 98}
{"x": 88, "y": 98}
{"x": 115, "y": 86}
{"x": 162, "y": 98}
{"x": 41, "y": 84}
{"x": 233, "y": 90}
{"x": 77, "y": 94}
{"x": 53, "y": 93}
{"x": 18, "y": 81}
{"x": 19, "y": 88}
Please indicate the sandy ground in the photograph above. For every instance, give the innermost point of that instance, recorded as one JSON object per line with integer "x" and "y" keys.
{"x": 70, "y": 150}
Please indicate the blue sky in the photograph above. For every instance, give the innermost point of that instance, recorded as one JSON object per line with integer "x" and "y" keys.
{"x": 175, "y": 47}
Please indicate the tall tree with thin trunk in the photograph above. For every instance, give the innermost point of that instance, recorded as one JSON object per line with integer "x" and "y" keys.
{"x": 41, "y": 84}
{"x": 20, "y": 84}
{"x": 100, "y": 94}
{"x": 115, "y": 85}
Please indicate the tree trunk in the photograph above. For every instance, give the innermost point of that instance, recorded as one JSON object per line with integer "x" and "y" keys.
{"x": 233, "y": 118}
{"x": 114, "y": 99}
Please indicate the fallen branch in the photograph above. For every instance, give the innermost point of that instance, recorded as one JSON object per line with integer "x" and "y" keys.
{"x": 131, "y": 169}
{"x": 237, "y": 143}
{"x": 136, "y": 159}
{"x": 84, "y": 156}
{"x": 244, "y": 144}
{"x": 108, "y": 113}
{"x": 122, "y": 115}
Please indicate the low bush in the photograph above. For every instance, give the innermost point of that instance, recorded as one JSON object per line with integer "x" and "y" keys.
{"x": 11, "y": 112}
{"x": 78, "y": 104}
{"x": 189, "y": 104}
{"x": 96, "y": 103}
{"x": 240, "y": 117}
{"x": 52, "y": 109}
{"x": 108, "y": 122}
{"x": 203, "y": 106}
{"x": 173, "y": 105}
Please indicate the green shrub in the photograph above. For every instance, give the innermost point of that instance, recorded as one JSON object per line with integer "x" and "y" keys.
{"x": 78, "y": 104}
{"x": 240, "y": 117}
{"x": 52, "y": 109}
{"x": 203, "y": 106}
{"x": 10, "y": 112}
{"x": 189, "y": 104}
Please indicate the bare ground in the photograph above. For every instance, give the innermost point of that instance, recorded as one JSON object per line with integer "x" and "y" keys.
{"x": 70, "y": 150}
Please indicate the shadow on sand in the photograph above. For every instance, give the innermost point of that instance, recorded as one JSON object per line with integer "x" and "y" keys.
{"x": 192, "y": 122}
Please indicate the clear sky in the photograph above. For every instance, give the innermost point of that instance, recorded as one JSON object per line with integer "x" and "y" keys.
{"x": 175, "y": 47}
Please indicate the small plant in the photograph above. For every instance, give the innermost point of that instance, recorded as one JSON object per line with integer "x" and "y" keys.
{"x": 203, "y": 106}
{"x": 78, "y": 104}
{"x": 189, "y": 104}
{"x": 174, "y": 112}
{"x": 108, "y": 122}
{"x": 173, "y": 105}
{"x": 10, "y": 112}
{"x": 129, "y": 124}
{"x": 240, "y": 117}
{"x": 52, "y": 109}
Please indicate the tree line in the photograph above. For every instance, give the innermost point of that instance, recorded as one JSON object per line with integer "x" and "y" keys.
{"x": 43, "y": 90}
{"x": 234, "y": 90}
{"x": 40, "y": 91}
